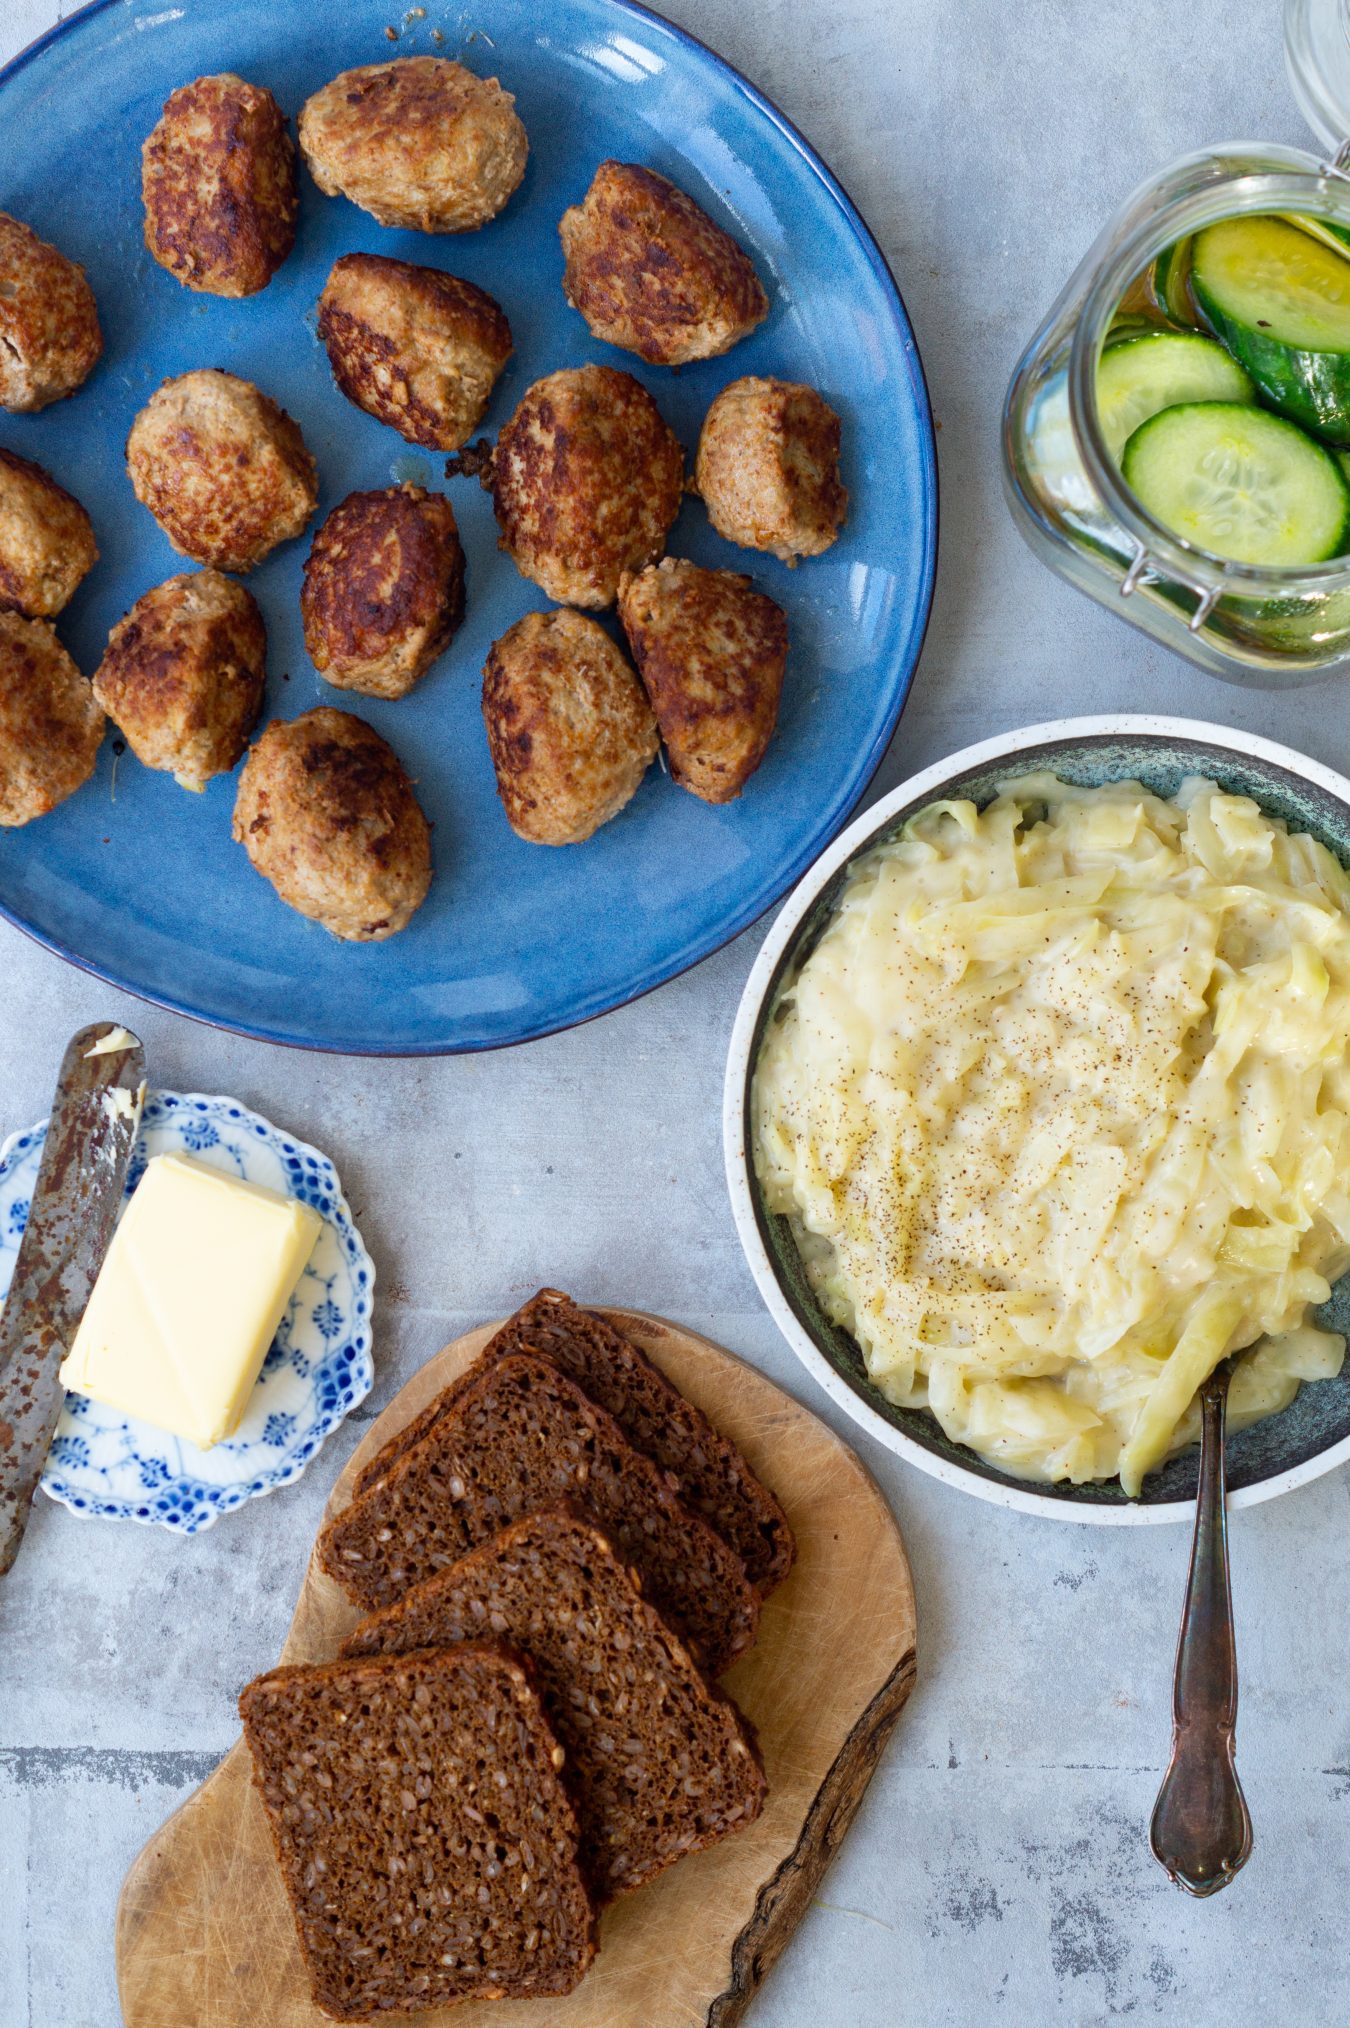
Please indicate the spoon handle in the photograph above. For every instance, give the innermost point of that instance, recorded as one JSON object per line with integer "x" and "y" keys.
{"x": 1201, "y": 1831}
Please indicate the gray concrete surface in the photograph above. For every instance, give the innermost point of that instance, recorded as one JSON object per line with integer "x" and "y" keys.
{"x": 998, "y": 1872}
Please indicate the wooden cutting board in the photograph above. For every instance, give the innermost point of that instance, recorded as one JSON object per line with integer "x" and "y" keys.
{"x": 204, "y": 1931}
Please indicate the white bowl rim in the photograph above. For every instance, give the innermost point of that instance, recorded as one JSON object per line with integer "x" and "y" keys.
{"x": 1011, "y": 745}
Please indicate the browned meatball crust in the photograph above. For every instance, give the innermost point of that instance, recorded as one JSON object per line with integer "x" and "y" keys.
{"x": 50, "y": 341}
{"x": 649, "y": 270}
{"x": 46, "y": 540}
{"x": 768, "y": 468}
{"x": 223, "y": 470}
{"x": 384, "y": 589}
{"x": 586, "y": 481}
{"x": 420, "y": 142}
{"x": 414, "y": 347}
{"x": 711, "y": 651}
{"x": 570, "y": 732}
{"x": 326, "y": 812}
{"x": 219, "y": 187}
{"x": 183, "y": 675}
{"x": 50, "y": 722}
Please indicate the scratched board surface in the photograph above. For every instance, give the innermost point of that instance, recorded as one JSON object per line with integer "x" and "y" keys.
{"x": 204, "y": 1930}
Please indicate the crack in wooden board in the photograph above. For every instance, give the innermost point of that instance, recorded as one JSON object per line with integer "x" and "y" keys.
{"x": 204, "y": 1931}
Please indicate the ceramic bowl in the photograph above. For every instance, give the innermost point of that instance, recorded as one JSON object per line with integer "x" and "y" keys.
{"x": 1286, "y": 1450}
{"x": 319, "y": 1365}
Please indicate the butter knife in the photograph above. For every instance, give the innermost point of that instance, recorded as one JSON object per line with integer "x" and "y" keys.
{"x": 95, "y": 1117}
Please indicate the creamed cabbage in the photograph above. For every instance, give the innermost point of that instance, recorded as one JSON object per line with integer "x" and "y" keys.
{"x": 1059, "y": 1109}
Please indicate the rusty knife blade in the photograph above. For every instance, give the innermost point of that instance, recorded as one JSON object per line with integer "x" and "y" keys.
{"x": 90, "y": 1136}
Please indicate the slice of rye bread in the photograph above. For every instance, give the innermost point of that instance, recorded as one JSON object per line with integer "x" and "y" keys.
{"x": 520, "y": 1436}
{"x": 715, "y": 1479}
{"x": 658, "y": 1763}
{"x": 423, "y": 1832}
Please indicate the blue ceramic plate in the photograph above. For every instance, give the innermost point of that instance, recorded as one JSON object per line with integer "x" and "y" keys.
{"x": 138, "y": 880}
{"x": 104, "y": 1463}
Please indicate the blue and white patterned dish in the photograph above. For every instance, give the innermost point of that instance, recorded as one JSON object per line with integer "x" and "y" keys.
{"x": 318, "y": 1368}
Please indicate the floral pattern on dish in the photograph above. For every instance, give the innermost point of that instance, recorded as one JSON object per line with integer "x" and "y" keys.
{"x": 318, "y": 1368}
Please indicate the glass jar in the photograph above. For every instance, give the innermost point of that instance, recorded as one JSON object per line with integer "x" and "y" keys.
{"x": 1248, "y": 623}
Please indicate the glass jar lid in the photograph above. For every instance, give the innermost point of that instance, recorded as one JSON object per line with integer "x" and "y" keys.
{"x": 1317, "y": 51}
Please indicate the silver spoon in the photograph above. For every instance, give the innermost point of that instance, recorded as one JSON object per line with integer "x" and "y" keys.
{"x": 1201, "y": 1830}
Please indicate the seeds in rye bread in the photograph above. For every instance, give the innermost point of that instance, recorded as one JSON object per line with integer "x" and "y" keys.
{"x": 424, "y": 1837}
{"x": 658, "y": 1763}
{"x": 519, "y": 1436}
{"x": 714, "y": 1478}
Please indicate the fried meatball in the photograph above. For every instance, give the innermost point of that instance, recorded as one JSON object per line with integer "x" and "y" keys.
{"x": 327, "y": 814}
{"x": 46, "y": 540}
{"x": 219, "y": 187}
{"x": 49, "y": 336}
{"x": 711, "y": 651}
{"x": 570, "y": 732}
{"x": 223, "y": 470}
{"x": 414, "y": 347}
{"x": 768, "y": 468}
{"x": 183, "y": 675}
{"x": 419, "y": 142}
{"x": 50, "y": 722}
{"x": 649, "y": 270}
{"x": 384, "y": 589}
{"x": 586, "y": 480}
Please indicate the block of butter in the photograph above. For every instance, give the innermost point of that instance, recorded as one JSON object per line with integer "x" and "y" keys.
{"x": 196, "y": 1280}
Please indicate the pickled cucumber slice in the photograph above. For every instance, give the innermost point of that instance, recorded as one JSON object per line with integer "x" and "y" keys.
{"x": 1337, "y": 237}
{"x": 1138, "y": 376}
{"x": 1240, "y": 483}
{"x": 1280, "y": 301}
{"x": 1171, "y": 281}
